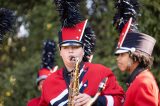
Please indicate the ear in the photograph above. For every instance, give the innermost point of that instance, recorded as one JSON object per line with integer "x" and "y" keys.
{"x": 83, "y": 53}
{"x": 83, "y": 50}
{"x": 90, "y": 58}
{"x": 59, "y": 48}
{"x": 130, "y": 62}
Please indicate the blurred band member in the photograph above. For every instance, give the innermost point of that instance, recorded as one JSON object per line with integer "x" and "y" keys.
{"x": 47, "y": 68}
{"x": 134, "y": 55}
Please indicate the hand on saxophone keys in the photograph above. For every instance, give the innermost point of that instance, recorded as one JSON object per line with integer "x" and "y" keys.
{"x": 101, "y": 87}
{"x": 82, "y": 99}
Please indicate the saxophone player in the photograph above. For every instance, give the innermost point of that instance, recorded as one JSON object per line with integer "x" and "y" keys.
{"x": 77, "y": 40}
{"x": 55, "y": 89}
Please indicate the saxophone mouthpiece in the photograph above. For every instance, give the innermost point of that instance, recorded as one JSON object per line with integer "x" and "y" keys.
{"x": 72, "y": 58}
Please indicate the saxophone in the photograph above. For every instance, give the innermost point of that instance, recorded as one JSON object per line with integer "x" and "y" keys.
{"x": 101, "y": 87}
{"x": 74, "y": 83}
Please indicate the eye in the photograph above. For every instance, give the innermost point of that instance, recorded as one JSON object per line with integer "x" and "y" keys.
{"x": 120, "y": 54}
{"x": 117, "y": 55}
{"x": 76, "y": 47}
{"x": 65, "y": 47}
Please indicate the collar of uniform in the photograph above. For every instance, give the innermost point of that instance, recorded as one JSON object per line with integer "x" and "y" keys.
{"x": 67, "y": 75}
{"x": 133, "y": 75}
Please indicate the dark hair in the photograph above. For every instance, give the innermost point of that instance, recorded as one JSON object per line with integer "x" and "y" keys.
{"x": 143, "y": 58}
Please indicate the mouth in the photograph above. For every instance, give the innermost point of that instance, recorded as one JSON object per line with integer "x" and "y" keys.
{"x": 118, "y": 63}
{"x": 72, "y": 58}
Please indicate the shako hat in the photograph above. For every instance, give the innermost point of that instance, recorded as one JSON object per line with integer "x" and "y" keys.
{"x": 48, "y": 60}
{"x": 7, "y": 19}
{"x": 42, "y": 74}
{"x": 130, "y": 38}
{"x": 75, "y": 29}
{"x": 72, "y": 35}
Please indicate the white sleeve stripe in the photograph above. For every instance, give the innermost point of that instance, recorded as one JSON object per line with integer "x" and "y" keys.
{"x": 59, "y": 96}
{"x": 110, "y": 100}
{"x": 63, "y": 103}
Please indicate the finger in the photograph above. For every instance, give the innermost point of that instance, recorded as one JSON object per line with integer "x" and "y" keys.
{"x": 83, "y": 99}
{"x": 84, "y": 102}
{"x": 78, "y": 96}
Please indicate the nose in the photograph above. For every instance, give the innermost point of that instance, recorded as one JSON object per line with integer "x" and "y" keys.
{"x": 70, "y": 50}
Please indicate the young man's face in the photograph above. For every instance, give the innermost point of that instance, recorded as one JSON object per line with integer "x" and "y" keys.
{"x": 69, "y": 52}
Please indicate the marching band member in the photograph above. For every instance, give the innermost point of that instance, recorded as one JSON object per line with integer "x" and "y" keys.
{"x": 134, "y": 55}
{"x": 47, "y": 68}
{"x": 72, "y": 46}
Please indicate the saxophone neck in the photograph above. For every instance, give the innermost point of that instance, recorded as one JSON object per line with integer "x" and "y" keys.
{"x": 77, "y": 64}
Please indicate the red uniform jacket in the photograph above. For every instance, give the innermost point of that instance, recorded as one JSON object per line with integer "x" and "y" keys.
{"x": 55, "y": 91}
{"x": 143, "y": 91}
{"x": 33, "y": 102}
{"x": 159, "y": 99}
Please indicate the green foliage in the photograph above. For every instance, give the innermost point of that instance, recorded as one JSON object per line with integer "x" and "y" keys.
{"x": 19, "y": 82}
{"x": 20, "y": 58}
